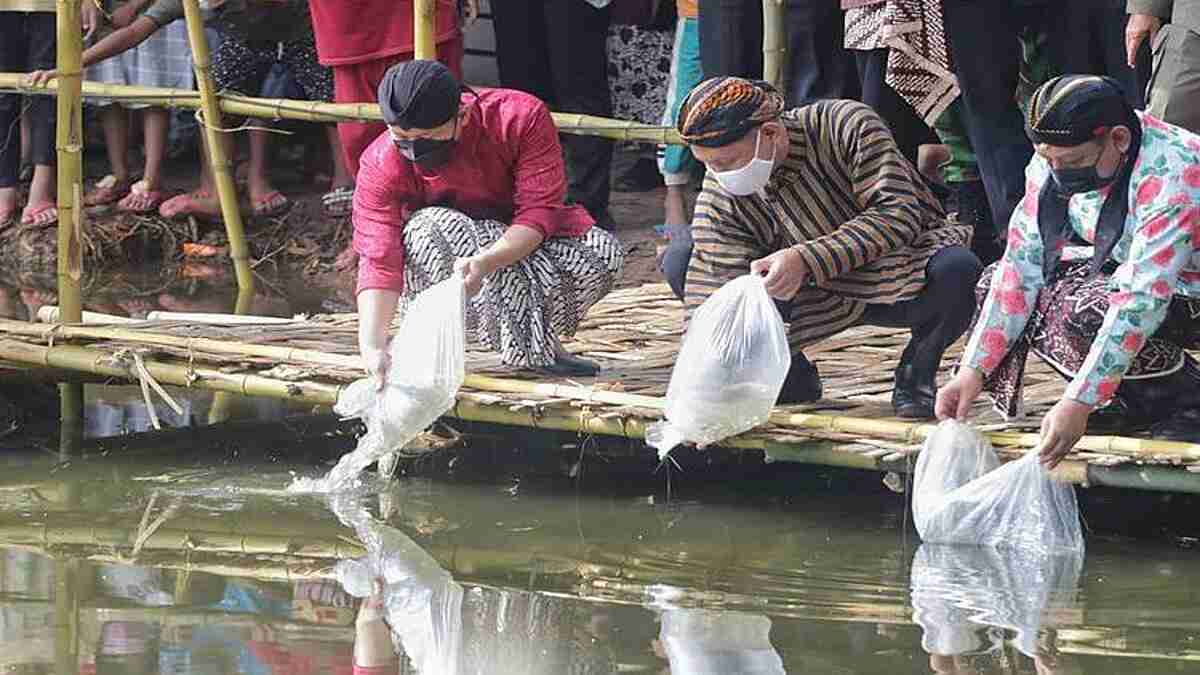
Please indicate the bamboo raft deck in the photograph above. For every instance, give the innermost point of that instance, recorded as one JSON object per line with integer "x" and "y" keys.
{"x": 634, "y": 333}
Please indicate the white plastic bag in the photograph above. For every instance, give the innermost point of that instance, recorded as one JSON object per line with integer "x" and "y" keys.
{"x": 730, "y": 368}
{"x": 961, "y": 497}
{"x": 428, "y": 365}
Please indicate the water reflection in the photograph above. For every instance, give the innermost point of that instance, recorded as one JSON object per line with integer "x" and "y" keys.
{"x": 967, "y": 599}
{"x": 233, "y": 575}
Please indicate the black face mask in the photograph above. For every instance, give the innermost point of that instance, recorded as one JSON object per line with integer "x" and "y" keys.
{"x": 1080, "y": 179}
{"x": 427, "y": 153}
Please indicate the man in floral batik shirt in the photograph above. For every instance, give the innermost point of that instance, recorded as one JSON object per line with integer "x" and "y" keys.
{"x": 1101, "y": 277}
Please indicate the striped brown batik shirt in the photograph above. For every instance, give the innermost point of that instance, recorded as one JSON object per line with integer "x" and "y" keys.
{"x": 848, "y": 201}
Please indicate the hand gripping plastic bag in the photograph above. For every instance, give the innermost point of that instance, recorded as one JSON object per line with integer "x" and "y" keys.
{"x": 730, "y": 368}
{"x": 962, "y": 496}
{"x": 428, "y": 366}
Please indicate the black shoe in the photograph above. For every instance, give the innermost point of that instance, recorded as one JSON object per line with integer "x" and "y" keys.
{"x": 1183, "y": 426}
{"x": 1168, "y": 405}
{"x": 914, "y": 393}
{"x": 802, "y": 384}
{"x": 571, "y": 366}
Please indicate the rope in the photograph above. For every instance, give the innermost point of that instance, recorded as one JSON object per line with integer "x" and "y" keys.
{"x": 147, "y": 528}
{"x": 243, "y": 127}
{"x": 135, "y": 366}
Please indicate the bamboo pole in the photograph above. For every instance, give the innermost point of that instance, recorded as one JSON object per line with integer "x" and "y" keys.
{"x": 69, "y": 146}
{"x": 239, "y": 250}
{"x": 69, "y": 142}
{"x": 93, "y": 361}
{"x": 318, "y": 111}
{"x": 774, "y": 43}
{"x": 424, "y": 44}
{"x": 55, "y": 532}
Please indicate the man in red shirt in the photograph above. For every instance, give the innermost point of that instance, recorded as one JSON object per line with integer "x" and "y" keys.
{"x": 361, "y": 39}
{"x": 475, "y": 181}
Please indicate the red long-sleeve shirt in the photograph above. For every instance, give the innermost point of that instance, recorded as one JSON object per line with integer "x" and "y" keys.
{"x": 354, "y": 31}
{"x": 507, "y": 166}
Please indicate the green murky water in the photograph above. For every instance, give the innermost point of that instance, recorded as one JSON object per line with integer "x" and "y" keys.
{"x": 182, "y": 554}
{"x": 498, "y": 564}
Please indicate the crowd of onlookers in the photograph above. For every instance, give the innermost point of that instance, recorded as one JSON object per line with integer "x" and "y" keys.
{"x": 948, "y": 77}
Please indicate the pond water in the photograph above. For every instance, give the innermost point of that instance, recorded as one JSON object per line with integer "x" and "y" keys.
{"x": 182, "y": 552}
{"x": 158, "y": 556}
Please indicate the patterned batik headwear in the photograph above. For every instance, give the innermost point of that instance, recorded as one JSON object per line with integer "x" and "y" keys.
{"x": 721, "y": 110}
{"x": 1068, "y": 111}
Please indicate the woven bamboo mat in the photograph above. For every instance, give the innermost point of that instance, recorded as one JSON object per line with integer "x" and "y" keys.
{"x": 634, "y": 333}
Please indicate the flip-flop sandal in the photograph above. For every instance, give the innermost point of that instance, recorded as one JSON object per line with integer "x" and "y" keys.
{"x": 40, "y": 215}
{"x": 8, "y": 220}
{"x": 108, "y": 190}
{"x": 151, "y": 199}
{"x": 187, "y": 205}
{"x": 338, "y": 201}
{"x": 271, "y": 205}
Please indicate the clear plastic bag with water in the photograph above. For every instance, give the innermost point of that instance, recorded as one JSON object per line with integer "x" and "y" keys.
{"x": 962, "y": 495}
{"x": 428, "y": 366}
{"x": 731, "y": 366}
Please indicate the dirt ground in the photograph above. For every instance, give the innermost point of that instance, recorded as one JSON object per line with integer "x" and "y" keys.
{"x": 305, "y": 241}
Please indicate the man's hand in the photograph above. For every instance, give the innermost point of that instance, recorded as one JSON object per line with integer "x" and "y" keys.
{"x": 955, "y": 398}
{"x": 1062, "y": 428}
{"x": 783, "y": 271}
{"x": 475, "y": 271}
{"x": 1140, "y": 27}
{"x": 92, "y": 18}
{"x": 39, "y": 78}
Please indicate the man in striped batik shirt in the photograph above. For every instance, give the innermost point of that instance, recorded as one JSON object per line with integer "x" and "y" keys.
{"x": 820, "y": 201}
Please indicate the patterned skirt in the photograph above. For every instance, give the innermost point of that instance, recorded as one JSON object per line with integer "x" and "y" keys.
{"x": 163, "y": 60}
{"x": 522, "y": 309}
{"x": 1066, "y": 318}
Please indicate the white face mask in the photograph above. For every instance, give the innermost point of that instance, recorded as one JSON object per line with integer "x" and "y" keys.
{"x": 750, "y": 178}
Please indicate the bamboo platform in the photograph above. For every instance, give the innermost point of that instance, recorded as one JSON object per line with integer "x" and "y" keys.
{"x": 634, "y": 333}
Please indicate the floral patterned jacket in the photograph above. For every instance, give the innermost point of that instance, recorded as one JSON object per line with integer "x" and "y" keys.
{"x": 1157, "y": 255}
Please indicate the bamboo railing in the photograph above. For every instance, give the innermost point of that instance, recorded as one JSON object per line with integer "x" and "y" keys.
{"x": 316, "y": 111}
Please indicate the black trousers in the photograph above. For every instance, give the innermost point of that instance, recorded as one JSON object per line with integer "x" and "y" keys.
{"x": 27, "y": 42}
{"x": 1089, "y": 37}
{"x": 819, "y": 66}
{"x": 909, "y": 130}
{"x": 557, "y": 50}
{"x": 940, "y": 314}
{"x": 983, "y": 36}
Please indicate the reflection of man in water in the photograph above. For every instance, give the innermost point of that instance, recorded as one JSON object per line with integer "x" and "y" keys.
{"x": 414, "y": 606}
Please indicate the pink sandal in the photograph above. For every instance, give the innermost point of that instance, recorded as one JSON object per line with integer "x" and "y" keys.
{"x": 40, "y": 215}
{"x": 141, "y": 199}
{"x": 189, "y": 205}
